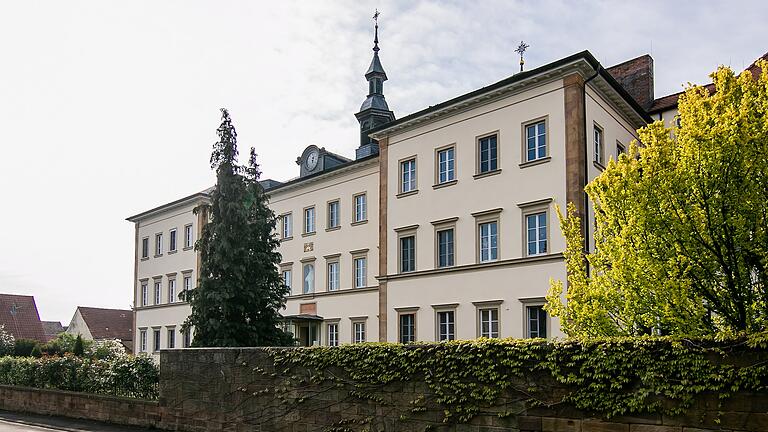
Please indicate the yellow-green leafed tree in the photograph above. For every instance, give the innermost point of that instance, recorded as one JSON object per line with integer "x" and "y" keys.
{"x": 681, "y": 224}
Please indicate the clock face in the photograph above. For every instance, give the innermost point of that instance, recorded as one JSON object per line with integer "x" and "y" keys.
{"x": 312, "y": 159}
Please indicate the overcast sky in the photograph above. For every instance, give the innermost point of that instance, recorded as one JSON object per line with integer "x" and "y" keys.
{"x": 110, "y": 108}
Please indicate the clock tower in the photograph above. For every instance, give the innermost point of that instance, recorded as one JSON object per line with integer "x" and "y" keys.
{"x": 314, "y": 160}
{"x": 374, "y": 112}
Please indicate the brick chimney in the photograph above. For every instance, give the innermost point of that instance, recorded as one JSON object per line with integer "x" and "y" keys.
{"x": 636, "y": 76}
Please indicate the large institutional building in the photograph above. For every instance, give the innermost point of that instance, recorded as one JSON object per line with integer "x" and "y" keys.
{"x": 442, "y": 227}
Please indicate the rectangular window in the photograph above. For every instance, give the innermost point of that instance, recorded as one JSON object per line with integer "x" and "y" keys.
{"x": 158, "y": 291}
{"x": 407, "y": 254}
{"x": 171, "y": 290}
{"x": 145, "y": 247}
{"x": 309, "y": 220}
{"x": 333, "y": 276}
{"x": 333, "y": 214}
{"x": 287, "y": 276}
{"x": 172, "y": 242}
{"x": 361, "y": 210}
{"x": 537, "y": 321}
{"x": 142, "y": 340}
{"x": 446, "y": 325}
{"x": 171, "y": 338}
{"x": 598, "y": 141}
{"x": 407, "y": 328}
{"x": 156, "y": 340}
{"x": 287, "y": 226}
{"x": 536, "y": 229}
{"x": 489, "y": 322}
{"x": 535, "y": 141}
{"x": 333, "y": 334}
{"x": 188, "y": 238}
{"x": 446, "y": 170}
{"x": 309, "y": 278}
{"x": 187, "y": 283}
{"x": 620, "y": 149}
{"x": 408, "y": 176}
{"x": 358, "y": 330}
{"x": 187, "y": 338}
{"x": 488, "y": 154}
{"x": 158, "y": 244}
{"x": 489, "y": 241}
{"x": 361, "y": 277}
{"x": 445, "y": 248}
{"x": 144, "y": 294}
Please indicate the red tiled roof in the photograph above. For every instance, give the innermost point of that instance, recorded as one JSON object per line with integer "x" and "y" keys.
{"x": 18, "y": 313}
{"x": 670, "y": 101}
{"x": 108, "y": 323}
{"x": 52, "y": 329}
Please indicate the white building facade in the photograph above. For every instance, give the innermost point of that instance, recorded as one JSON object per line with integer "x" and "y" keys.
{"x": 443, "y": 226}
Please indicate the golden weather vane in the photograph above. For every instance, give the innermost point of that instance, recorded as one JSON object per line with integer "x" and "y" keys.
{"x": 520, "y": 50}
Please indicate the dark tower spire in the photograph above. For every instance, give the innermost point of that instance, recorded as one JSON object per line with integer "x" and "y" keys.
{"x": 374, "y": 112}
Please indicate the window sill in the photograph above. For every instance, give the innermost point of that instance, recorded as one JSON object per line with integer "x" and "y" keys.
{"x": 598, "y": 165}
{"x": 172, "y": 252}
{"x": 535, "y": 162}
{"x": 487, "y": 174}
{"x": 145, "y": 258}
{"x": 362, "y": 222}
{"x": 286, "y": 238}
{"x": 187, "y": 248}
{"x": 309, "y": 234}
{"x": 336, "y": 228}
{"x": 405, "y": 194}
{"x": 444, "y": 184}
{"x": 158, "y": 256}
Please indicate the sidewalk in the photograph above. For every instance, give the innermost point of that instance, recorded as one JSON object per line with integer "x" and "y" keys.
{"x": 18, "y": 422}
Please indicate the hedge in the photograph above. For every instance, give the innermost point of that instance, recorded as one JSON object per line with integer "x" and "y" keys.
{"x": 136, "y": 377}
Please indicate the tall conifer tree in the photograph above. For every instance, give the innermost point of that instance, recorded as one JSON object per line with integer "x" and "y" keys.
{"x": 239, "y": 289}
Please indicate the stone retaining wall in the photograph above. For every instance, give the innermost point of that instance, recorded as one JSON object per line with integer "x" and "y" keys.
{"x": 112, "y": 409}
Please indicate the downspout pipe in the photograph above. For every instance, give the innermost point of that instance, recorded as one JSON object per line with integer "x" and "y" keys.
{"x": 586, "y": 159}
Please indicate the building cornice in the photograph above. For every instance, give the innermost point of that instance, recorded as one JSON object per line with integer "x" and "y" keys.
{"x": 471, "y": 267}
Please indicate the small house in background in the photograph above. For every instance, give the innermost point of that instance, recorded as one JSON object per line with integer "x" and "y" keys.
{"x": 99, "y": 324}
{"x": 52, "y": 329}
{"x": 18, "y": 315}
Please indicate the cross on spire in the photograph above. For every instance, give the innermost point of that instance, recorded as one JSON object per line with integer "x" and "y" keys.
{"x": 520, "y": 50}
{"x": 376, "y": 32}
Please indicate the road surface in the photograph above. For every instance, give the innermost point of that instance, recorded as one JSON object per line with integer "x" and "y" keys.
{"x": 16, "y": 422}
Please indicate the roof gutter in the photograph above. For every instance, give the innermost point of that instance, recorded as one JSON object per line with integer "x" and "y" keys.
{"x": 586, "y": 158}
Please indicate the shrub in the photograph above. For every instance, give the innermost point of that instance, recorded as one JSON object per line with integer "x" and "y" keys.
{"x": 130, "y": 376}
{"x": 24, "y": 347}
{"x": 79, "y": 349}
{"x": 7, "y": 342}
{"x": 36, "y": 352}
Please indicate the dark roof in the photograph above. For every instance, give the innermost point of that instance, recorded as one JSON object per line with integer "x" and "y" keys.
{"x": 201, "y": 194}
{"x": 52, "y": 328}
{"x": 670, "y": 101}
{"x": 376, "y": 67}
{"x": 303, "y": 317}
{"x": 108, "y": 323}
{"x": 18, "y": 313}
{"x": 319, "y": 173}
{"x": 584, "y": 55}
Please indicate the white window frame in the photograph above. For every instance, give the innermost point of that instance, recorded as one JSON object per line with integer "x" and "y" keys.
{"x": 598, "y": 140}
{"x": 439, "y": 333}
{"x": 538, "y": 146}
{"x": 361, "y": 207}
{"x": 360, "y": 265}
{"x": 310, "y": 219}
{"x": 400, "y": 315}
{"x": 400, "y": 253}
{"x": 451, "y": 255}
{"x": 334, "y": 275}
{"x": 158, "y": 293}
{"x": 287, "y": 275}
{"x": 491, "y": 252}
{"x": 142, "y": 340}
{"x": 170, "y": 341}
{"x": 173, "y": 240}
{"x": 172, "y": 290}
{"x": 446, "y": 169}
{"x": 187, "y": 338}
{"x": 188, "y": 236}
{"x": 539, "y": 248}
{"x": 287, "y": 228}
{"x": 156, "y": 332}
{"x": 358, "y": 331}
{"x": 144, "y": 293}
{"x": 158, "y": 244}
{"x": 526, "y": 316}
{"x": 334, "y": 214}
{"x": 187, "y": 283}
{"x": 332, "y": 333}
{"x": 479, "y": 147}
{"x": 145, "y": 248}
{"x": 408, "y": 175}
{"x": 482, "y": 319}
